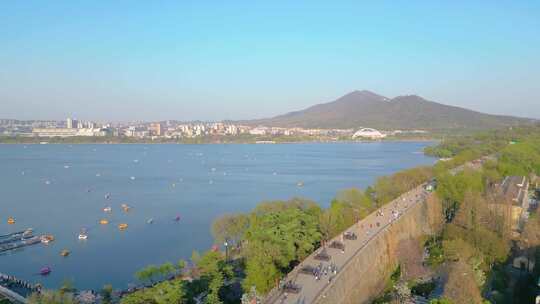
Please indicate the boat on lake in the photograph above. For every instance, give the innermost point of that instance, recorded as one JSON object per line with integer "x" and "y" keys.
{"x": 150, "y": 221}
{"x": 45, "y": 271}
{"x": 122, "y": 226}
{"x": 11, "y": 220}
{"x": 64, "y": 253}
{"x": 177, "y": 218}
{"x": 107, "y": 209}
{"x": 46, "y": 239}
{"x": 104, "y": 222}
{"x": 83, "y": 235}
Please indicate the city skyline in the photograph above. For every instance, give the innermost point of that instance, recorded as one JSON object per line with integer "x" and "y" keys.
{"x": 215, "y": 61}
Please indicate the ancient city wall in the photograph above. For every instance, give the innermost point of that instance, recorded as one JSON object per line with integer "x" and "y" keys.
{"x": 366, "y": 274}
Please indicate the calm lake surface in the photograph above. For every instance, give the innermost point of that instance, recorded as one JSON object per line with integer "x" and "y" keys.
{"x": 60, "y": 189}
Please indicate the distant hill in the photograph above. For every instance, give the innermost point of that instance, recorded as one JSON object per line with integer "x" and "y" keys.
{"x": 367, "y": 109}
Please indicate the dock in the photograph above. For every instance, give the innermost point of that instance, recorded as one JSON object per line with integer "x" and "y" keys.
{"x": 16, "y": 290}
{"x": 16, "y": 236}
{"x": 16, "y": 244}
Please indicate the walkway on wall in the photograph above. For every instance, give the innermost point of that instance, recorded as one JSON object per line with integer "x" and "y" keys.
{"x": 366, "y": 229}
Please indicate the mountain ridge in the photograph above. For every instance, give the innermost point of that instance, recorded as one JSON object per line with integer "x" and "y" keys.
{"x": 369, "y": 109}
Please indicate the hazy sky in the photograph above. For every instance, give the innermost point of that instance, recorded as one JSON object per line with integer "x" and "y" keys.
{"x": 212, "y": 60}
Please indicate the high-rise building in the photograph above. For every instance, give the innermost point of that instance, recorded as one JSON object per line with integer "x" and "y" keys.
{"x": 80, "y": 125}
{"x": 69, "y": 123}
{"x": 156, "y": 129}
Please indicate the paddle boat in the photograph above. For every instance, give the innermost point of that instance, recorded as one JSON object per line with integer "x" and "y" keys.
{"x": 64, "y": 253}
{"x": 122, "y": 226}
{"x": 125, "y": 207}
{"x": 107, "y": 209}
{"x": 45, "y": 271}
{"x": 46, "y": 239}
{"x": 150, "y": 221}
{"x": 83, "y": 235}
{"x": 103, "y": 221}
{"x": 11, "y": 220}
{"x": 177, "y": 218}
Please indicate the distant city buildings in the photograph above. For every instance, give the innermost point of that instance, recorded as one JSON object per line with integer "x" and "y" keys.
{"x": 179, "y": 130}
{"x": 72, "y": 128}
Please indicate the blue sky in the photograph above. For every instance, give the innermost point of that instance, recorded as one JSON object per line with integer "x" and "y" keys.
{"x": 212, "y": 60}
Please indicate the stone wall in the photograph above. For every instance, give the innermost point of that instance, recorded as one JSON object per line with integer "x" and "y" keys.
{"x": 365, "y": 276}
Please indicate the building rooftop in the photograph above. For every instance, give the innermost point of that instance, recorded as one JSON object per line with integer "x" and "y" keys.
{"x": 514, "y": 189}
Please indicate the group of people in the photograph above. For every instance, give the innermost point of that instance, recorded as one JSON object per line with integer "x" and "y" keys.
{"x": 329, "y": 270}
{"x": 396, "y": 209}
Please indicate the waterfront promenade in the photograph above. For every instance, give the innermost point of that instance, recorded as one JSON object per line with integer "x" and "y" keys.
{"x": 366, "y": 229}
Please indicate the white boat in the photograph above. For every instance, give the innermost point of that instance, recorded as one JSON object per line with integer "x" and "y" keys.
{"x": 107, "y": 209}
{"x": 83, "y": 236}
{"x": 132, "y": 178}
{"x": 46, "y": 239}
{"x": 150, "y": 221}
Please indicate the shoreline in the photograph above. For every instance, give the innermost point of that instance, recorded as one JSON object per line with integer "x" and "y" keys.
{"x": 434, "y": 140}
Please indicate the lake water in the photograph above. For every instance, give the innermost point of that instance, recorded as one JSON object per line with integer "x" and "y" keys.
{"x": 60, "y": 189}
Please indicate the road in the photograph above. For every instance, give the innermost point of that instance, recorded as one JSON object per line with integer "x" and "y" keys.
{"x": 366, "y": 229}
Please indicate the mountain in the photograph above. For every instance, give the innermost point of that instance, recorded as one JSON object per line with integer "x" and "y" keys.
{"x": 367, "y": 109}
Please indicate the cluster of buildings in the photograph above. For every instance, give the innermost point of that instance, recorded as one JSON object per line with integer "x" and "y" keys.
{"x": 175, "y": 130}
{"x": 71, "y": 128}
{"x": 513, "y": 202}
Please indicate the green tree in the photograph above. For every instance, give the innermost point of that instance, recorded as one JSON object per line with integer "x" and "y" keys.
{"x": 148, "y": 274}
{"x": 216, "y": 283}
{"x": 230, "y": 227}
{"x": 166, "y": 269}
{"x": 51, "y": 297}
{"x": 279, "y": 235}
{"x": 106, "y": 294}
{"x": 168, "y": 292}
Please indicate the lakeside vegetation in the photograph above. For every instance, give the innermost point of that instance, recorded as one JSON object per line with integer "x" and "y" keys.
{"x": 476, "y": 245}
{"x": 266, "y": 243}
